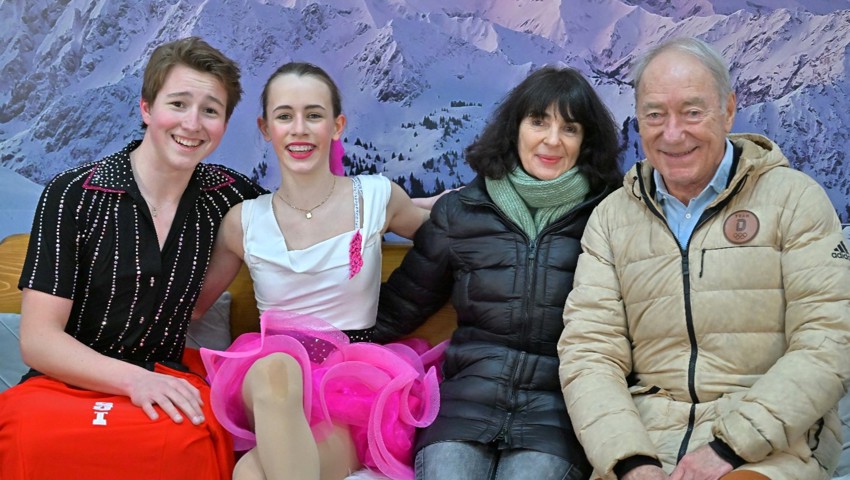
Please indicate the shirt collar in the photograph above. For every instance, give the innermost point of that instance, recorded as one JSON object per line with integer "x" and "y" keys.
{"x": 115, "y": 174}
{"x": 717, "y": 183}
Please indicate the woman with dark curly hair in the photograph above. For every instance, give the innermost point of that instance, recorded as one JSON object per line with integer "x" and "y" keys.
{"x": 504, "y": 248}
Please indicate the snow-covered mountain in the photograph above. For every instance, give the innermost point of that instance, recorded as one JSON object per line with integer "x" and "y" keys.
{"x": 418, "y": 77}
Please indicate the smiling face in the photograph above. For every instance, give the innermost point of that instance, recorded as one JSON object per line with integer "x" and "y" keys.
{"x": 300, "y": 122}
{"x": 186, "y": 120}
{"x": 683, "y": 122}
{"x": 548, "y": 145}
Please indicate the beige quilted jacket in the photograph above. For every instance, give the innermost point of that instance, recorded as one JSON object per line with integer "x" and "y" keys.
{"x": 743, "y": 336}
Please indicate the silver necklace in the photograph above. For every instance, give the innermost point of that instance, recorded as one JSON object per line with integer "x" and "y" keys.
{"x": 308, "y": 213}
{"x": 154, "y": 208}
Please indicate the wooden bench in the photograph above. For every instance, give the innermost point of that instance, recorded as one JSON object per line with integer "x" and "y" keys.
{"x": 243, "y": 308}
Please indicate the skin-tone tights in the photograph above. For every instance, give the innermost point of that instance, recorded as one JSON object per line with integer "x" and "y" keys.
{"x": 273, "y": 391}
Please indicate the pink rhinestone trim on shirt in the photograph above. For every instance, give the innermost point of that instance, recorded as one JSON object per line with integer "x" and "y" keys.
{"x": 355, "y": 259}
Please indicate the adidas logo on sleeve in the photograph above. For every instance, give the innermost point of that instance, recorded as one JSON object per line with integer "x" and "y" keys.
{"x": 841, "y": 251}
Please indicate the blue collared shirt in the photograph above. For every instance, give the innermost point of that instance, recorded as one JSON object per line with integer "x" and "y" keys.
{"x": 683, "y": 219}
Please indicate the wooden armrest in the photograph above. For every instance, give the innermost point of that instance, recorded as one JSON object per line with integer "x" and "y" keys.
{"x": 244, "y": 315}
{"x": 13, "y": 249}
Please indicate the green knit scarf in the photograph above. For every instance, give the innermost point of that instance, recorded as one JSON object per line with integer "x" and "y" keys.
{"x": 533, "y": 204}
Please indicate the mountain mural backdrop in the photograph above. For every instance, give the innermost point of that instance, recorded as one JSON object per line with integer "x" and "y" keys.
{"x": 419, "y": 77}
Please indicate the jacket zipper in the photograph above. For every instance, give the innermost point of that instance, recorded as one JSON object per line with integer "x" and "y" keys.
{"x": 531, "y": 256}
{"x": 686, "y": 284}
{"x": 531, "y": 285}
{"x": 505, "y": 430}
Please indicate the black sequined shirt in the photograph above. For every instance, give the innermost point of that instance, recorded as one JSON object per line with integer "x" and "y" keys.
{"x": 93, "y": 241}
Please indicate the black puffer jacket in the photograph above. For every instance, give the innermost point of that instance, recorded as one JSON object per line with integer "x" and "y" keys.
{"x": 501, "y": 369}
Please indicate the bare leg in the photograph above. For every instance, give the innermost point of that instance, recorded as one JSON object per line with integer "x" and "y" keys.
{"x": 273, "y": 393}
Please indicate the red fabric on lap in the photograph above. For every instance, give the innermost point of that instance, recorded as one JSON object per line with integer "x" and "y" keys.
{"x": 49, "y": 430}
{"x": 193, "y": 361}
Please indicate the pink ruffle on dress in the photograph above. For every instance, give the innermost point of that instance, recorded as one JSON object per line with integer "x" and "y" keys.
{"x": 382, "y": 392}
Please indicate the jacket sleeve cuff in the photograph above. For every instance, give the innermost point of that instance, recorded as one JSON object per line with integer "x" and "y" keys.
{"x": 725, "y": 452}
{"x": 626, "y": 465}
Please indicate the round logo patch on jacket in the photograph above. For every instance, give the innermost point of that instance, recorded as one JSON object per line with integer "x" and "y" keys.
{"x": 741, "y": 226}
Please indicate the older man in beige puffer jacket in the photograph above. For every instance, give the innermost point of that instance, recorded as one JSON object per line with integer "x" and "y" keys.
{"x": 707, "y": 335}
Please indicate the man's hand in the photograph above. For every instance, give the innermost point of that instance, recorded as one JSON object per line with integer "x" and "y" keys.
{"x": 646, "y": 472}
{"x": 170, "y": 394}
{"x": 701, "y": 464}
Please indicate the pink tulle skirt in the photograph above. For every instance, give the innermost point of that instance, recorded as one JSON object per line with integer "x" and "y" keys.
{"x": 383, "y": 393}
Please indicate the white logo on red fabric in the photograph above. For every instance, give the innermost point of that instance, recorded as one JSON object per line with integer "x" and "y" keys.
{"x": 101, "y": 409}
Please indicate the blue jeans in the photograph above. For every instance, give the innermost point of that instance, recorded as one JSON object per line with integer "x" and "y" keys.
{"x": 476, "y": 461}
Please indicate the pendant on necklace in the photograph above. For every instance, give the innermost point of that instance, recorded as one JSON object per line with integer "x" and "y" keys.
{"x": 153, "y": 211}
{"x": 308, "y": 214}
